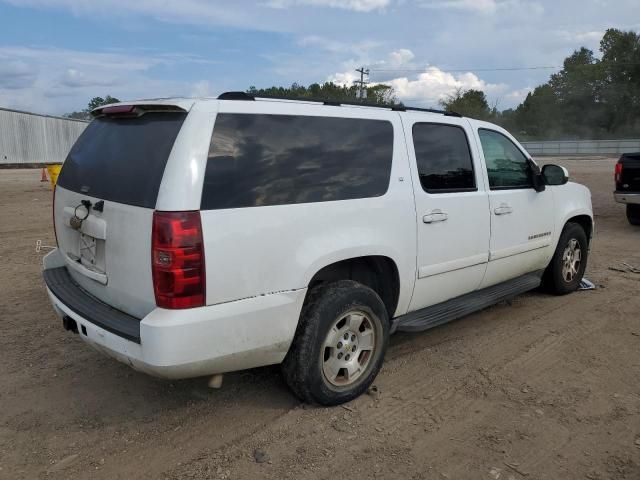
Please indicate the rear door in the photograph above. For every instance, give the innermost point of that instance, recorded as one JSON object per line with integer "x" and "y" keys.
{"x": 452, "y": 209}
{"x": 110, "y": 181}
{"x": 522, "y": 219}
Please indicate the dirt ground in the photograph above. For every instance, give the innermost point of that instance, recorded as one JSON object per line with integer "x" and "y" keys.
{"x": 541, "y": 387}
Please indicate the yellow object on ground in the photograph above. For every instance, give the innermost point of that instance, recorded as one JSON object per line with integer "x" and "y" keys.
{"x": 54, "y": 171}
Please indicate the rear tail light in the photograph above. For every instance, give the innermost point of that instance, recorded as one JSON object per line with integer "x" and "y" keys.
{"x": 177, "y": 260}
{"x": 618, "y": 175}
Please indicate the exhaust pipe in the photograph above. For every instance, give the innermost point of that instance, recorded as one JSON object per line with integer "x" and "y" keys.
{"x": 215, "y": 381}
{"x": 69, "y": 324}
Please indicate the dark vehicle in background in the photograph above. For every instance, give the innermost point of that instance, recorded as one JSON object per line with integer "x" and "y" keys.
{"x": 628, "y": 185}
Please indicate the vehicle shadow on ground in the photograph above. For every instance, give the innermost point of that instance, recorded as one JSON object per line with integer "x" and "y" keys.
{"x": 96, "y": 391}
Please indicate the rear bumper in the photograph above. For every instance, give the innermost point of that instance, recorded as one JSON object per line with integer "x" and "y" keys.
{"x": 69, "y": 293}
{"x": 193, "y": 342}
{"x": 630, "y": 197}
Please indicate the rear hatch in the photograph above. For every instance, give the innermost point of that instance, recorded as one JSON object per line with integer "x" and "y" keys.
{"x": 630, "y": 175}
{"x": 105, "y": 199}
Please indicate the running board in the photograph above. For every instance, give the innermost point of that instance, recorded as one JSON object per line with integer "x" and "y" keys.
{"x": 455, "y": 308}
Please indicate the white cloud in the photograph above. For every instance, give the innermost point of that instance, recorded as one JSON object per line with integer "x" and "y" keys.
{"x": 360, "y": 48}
{"x": 503, "y": 98}
{"x": 261, "y": 14}
{"x": 427, "y": 88}
{"x": 356, "y": 5}
{"x": 343, "y": 78}
{"x": 201, "y": 89}
{"x": 77, "y": 79}
{"x": 487, "y": 7}
{"x": 173, "y": 11}
{"x": 56, "y": 80}
{"x": 15, "y": 74}
{"x": 401, "y": 57}
{"x": 434, "y": 85}
{"x": 588, "y": 36}
{"x": 590, "y": 39}
{"x": 516, "y": 97}
{"x": 431, "y": 86}
{"x": 396, "y": 59}
{"x": 483, "y": 6}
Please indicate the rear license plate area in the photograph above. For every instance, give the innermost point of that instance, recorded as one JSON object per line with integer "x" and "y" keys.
{"x": 87, "y": 249}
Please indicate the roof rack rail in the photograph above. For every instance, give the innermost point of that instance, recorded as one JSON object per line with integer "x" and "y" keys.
{"x": 335, "y": 103}
{"x": 434, "y": 110}
{"x": 235, "y": 96}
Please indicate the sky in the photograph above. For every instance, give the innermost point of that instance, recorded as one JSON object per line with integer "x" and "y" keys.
{"x": 55, "y": 55}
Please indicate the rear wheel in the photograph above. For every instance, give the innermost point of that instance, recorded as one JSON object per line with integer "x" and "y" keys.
{"x": 569, "y": 261}
{"x": 633, "y": 214}
{"x": 339, "y": 345}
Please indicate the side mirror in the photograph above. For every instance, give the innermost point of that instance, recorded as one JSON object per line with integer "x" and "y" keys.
{"x": 537, "y": 179}
{"x": 555, "y": 174}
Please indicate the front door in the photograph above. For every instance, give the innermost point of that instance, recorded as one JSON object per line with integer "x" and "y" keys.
{"x": 521, "y": 218}
{"x": 452, "y": 210}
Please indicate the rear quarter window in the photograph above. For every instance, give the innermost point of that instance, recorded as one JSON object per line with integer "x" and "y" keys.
{"x": 122, "y": 159}
{"x": 260, "y": 160}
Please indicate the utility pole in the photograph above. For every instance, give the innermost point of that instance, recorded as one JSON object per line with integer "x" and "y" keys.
{"x": 362, "y": 91}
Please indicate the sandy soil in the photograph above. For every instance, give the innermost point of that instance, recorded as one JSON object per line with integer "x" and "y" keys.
{"x": 538, "y": 388}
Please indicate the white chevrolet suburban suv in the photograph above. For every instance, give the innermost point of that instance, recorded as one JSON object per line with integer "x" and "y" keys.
{"x": 202, "y": 236}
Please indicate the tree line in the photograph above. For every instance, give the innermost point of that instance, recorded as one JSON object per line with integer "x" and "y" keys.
{"x": 590, "y": 98}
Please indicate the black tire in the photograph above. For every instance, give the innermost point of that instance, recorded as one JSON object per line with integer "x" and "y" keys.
{"x": 633, "y": 214}
{"x": 554, "y": 280}
{"x": 303, "y": 367}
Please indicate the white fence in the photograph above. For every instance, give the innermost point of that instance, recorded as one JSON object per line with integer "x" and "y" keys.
{"x": 28, "y": 138}
{"x": 583, "y": 147}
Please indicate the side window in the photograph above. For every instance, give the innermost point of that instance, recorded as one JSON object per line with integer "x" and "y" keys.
{"x": 259, "y": 160}
{"x": 443, "y": 158}
{"x": 507, "y": 166}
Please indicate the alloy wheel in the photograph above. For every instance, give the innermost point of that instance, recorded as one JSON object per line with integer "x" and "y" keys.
{"x": 348, "y": 348}
{"x": 571, "y": 259}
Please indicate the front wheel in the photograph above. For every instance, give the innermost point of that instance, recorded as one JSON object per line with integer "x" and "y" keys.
{"x": 633, "y": 214}
{"x": 339, "y": 345}
{"x": 564, "y": 273}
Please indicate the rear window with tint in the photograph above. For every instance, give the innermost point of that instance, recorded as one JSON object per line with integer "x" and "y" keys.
{"x": 122, "y": 159}
{"x": 260, "y": 160}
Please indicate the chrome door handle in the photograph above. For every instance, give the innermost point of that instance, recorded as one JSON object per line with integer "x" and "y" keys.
{"x": 435, "y": 216}
{"x": 503, "y": 209}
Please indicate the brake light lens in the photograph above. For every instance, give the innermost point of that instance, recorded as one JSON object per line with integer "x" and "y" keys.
{"x": 177, "y": 260}
{"x": 618, "y": 174}
{"x": 118, "y": 110}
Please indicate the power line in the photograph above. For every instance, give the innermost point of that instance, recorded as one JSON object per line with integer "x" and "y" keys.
{"x": 500, "y": 69}
{"x": 452, "y": 70}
